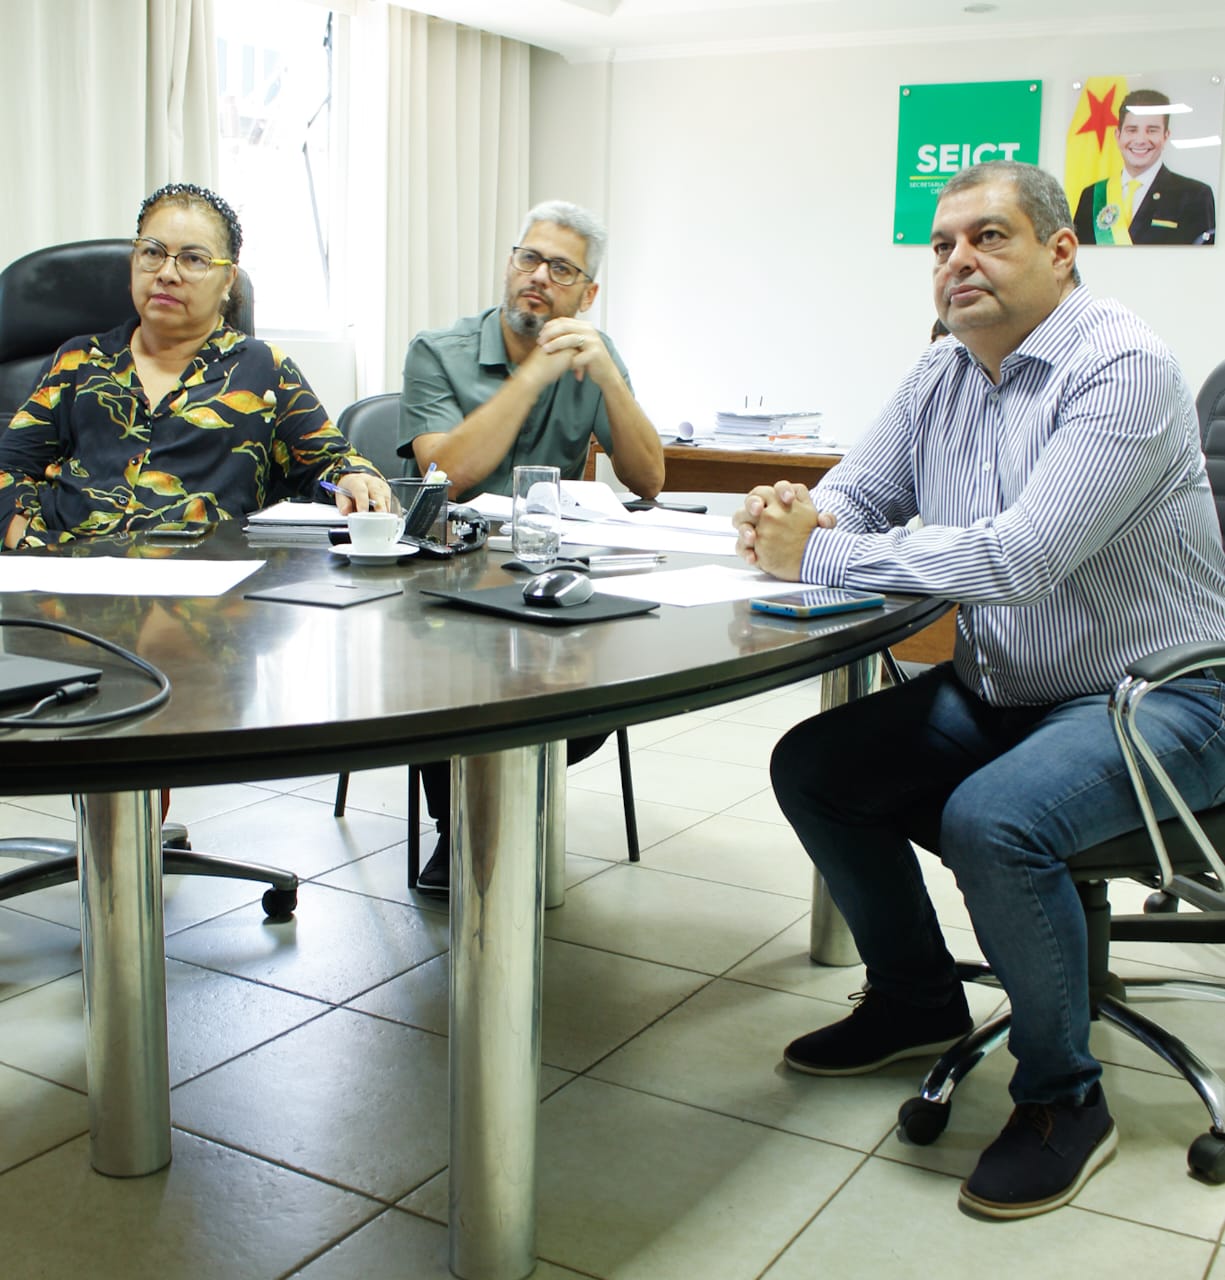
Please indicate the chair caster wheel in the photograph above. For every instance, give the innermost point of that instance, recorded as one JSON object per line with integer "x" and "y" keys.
{"x": 1206, "y": 1157}
{"x": 174, "y": 836}
{"x": 923, "y": 1121}
{"x": 1160, "y": 903}
{"x": 279, "y": 904}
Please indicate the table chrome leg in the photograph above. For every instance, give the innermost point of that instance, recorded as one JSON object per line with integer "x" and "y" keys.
{"x": 499, "y": 805}
{"x": 830, "y": 940}
{"x": 555, "y": 826}
{"x": 123, "y": 955}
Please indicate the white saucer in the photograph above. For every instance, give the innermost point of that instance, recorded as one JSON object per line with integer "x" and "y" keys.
{"x": 379, "y": 557}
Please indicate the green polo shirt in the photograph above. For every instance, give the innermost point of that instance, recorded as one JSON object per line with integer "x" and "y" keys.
{"x": 450, "y": 373}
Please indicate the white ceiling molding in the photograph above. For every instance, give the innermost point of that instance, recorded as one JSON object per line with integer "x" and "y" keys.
{"x": 606, "y": 8}
{"x": 639, "y": 30}
{"x": 1054, "y": 30}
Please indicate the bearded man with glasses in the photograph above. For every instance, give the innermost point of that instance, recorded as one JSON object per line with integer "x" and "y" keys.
{"x": 524, "y": 383}
{"x": 529, "y": 382}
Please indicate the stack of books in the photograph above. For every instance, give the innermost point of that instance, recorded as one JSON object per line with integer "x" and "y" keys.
{"x": 798, "y": 432}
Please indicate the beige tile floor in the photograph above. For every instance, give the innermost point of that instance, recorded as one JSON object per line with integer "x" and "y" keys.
{"x": 309, "y": 1062}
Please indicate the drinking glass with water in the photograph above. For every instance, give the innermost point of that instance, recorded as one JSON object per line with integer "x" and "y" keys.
{"x": 536, "y": 514}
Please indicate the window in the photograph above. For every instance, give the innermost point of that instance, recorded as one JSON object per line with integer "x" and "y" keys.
{"x": 275, "y": 79}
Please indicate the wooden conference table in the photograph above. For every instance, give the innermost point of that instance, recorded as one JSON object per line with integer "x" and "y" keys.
{"x": 265, "y": 690}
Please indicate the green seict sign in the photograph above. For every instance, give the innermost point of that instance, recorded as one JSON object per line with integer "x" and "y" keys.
{"x": 946, "y": 127}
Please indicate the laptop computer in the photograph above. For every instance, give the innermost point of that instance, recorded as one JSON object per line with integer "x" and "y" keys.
{"x": 25, "y": 679}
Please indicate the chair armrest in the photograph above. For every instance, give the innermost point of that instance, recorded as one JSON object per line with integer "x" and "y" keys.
{"x": 1143, "y": 676}
{"x": 1156, "y": 668}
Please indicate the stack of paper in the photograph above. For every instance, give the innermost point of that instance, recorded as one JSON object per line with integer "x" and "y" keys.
{"x": 299, "y": 523}
{"x": 796, "y": 431}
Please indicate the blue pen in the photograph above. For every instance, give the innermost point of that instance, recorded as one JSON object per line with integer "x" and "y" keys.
{"x": 335, "y": 488}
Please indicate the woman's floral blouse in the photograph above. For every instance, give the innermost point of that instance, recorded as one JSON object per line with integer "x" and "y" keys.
{"x": 88, "y": 454}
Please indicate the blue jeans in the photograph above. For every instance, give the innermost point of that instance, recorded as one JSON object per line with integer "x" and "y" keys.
{"x": 1004, "y": 796}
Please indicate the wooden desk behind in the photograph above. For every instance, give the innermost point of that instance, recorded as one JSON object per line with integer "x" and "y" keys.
{"x": 691, "y": 467}
{"x": 696, "y": 469}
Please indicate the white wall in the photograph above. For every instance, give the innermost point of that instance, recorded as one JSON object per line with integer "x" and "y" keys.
{"x": 329, "y": 365}
{"x": 750, "y": 205}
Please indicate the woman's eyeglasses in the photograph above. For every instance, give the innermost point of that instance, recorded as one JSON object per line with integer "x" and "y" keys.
{"x": 149, "y": 255}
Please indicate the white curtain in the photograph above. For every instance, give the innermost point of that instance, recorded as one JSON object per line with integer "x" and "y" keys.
{"x": 456, "y": 166}
{"x": 105, "y": 103}
{"x": 182, "y": 136}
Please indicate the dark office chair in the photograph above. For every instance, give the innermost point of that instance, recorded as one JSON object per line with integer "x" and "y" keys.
{"x": 55, "y": 294}
{"x": 1178, "y": 857}
{"x": 414, "y": 807}
{"x": 46, "y": 298}
{"x": 372, "y": 426}
{"x": 1210, "y": 405}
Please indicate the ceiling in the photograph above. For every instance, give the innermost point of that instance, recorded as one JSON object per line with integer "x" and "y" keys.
{"x": 622, "y": 30}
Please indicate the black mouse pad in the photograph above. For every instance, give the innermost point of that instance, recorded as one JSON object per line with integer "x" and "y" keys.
{"x": 509, "y": 602}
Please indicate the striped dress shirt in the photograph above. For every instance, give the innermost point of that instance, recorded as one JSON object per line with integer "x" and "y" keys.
{"x": 1066, "y": 508}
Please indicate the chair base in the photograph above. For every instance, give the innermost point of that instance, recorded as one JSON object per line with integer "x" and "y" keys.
{"x": 923, "y": 1118}
{"x": 54, "y": 862}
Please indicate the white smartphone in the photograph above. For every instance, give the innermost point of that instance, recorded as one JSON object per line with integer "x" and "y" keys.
{"x": 816, "y": 602}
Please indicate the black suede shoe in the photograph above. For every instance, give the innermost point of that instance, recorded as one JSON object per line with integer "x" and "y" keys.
{"x": 879, "y": 1031}
{"x": 434, "y": 879}
{"x": 1044, "y": 1156}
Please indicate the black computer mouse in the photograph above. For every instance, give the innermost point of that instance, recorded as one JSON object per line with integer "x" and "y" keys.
{"x": 557, "y": 587}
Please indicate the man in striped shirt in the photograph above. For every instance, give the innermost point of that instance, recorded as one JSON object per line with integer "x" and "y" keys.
{"x": 1053, "y": 455}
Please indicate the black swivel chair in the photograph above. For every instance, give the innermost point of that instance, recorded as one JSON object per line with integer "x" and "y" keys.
{"x": 1178, "y": 857}
{"x": 46, "y": 298}
{"x": 372, "y": 426}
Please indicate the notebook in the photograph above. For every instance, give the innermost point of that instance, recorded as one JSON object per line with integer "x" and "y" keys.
{"x": 27, "y": 679}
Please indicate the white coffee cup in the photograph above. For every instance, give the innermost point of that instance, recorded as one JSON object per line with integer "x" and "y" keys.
{"x": 374, "y": 533}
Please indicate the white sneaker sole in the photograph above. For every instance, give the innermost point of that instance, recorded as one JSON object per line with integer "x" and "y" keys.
{"x": 1093, "y": 1162}
{"x": 933, "y": 1050}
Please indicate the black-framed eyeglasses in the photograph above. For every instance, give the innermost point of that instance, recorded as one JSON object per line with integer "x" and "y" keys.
{"x": 150, "y": 254}
{"x": 561, "y": 270}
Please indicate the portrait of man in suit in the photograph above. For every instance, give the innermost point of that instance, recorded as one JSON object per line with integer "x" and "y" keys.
{"x": 1145, "y": 203}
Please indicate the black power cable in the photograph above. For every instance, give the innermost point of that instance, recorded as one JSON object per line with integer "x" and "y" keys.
{"x": 75, "y": 690}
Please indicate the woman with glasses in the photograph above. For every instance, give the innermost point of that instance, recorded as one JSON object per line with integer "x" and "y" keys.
{"x": 175, "y": 416}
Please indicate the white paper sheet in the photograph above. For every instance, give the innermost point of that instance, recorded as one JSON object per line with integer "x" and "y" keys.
{"x": 707, "y": 584}
{"x": 120, "y": 576}
{"x": 580, "y": 500}
{"x": 692, "y": 521}
{"x": 640, "y": 537}
{"x": 497, "y": 506}
{"x": 591, "y": 500}
{"x": 313, "y": 513}
{"x": 653, "y": 530}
